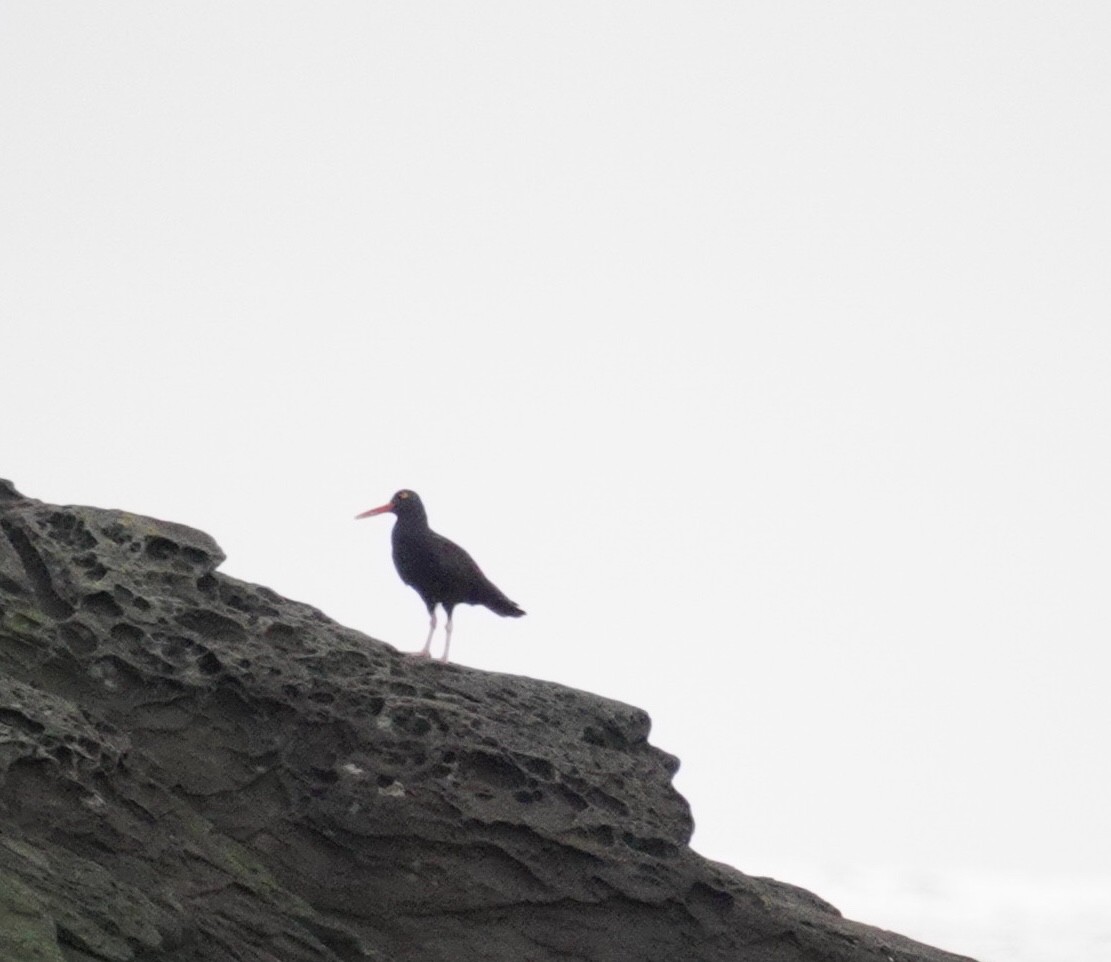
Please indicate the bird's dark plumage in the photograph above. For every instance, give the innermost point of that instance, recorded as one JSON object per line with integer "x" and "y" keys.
{"x": 439, "y": 570}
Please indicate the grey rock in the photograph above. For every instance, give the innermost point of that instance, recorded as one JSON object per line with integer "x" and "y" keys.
{"x": 195, "y": 768}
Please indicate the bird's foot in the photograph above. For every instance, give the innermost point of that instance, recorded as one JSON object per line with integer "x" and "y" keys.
{"x": 423, "y": 653}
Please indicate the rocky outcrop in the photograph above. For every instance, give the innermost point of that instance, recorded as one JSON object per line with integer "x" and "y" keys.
{"x": 195, "y": 768}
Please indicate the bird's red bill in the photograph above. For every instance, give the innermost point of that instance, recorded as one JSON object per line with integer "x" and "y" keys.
{"x": 374, "y": 511}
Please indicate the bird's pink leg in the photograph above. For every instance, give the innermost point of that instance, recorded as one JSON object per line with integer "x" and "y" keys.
{"x": 426, "y": 651}
{"x": 447, "y": 637}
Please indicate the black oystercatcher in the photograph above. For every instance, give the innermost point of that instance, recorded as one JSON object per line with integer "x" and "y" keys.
{"x": 441, "y": 572}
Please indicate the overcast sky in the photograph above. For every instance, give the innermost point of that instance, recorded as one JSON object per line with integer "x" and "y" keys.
{"x": 759, "y": 350}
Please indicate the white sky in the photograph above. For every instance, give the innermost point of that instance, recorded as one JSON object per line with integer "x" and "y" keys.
{"x": 760, "y": 351}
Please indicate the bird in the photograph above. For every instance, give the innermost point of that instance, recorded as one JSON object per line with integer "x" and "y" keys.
{"x": 439, "y": 570}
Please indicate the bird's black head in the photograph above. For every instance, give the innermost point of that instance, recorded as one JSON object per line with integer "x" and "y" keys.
{"x": 405, "y": 504}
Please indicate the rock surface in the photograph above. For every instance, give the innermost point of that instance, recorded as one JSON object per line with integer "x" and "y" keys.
{"x": 195, "y": 768}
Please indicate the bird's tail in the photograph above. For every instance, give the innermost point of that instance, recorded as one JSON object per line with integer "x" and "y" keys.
{"x": 504, "y": 607}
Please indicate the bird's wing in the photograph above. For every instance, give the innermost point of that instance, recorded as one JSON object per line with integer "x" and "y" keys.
{"x": 454, "y": 563}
